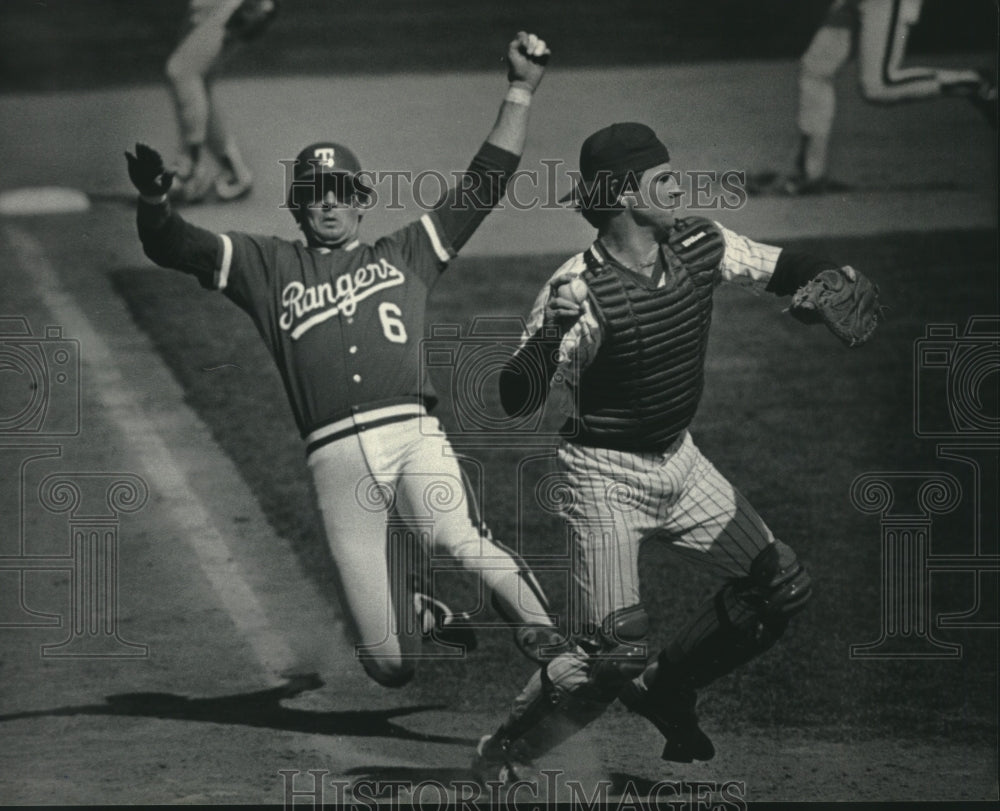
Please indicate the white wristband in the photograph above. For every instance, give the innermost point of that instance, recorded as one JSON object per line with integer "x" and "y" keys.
{"x": 153, "y": 200}
{"x": 518, "y": 95}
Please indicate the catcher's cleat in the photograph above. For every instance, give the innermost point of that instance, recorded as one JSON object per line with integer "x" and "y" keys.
{"x": 676, "y": 720}
{"x": 492, "y": 764}
{"x": 440, "y": 624}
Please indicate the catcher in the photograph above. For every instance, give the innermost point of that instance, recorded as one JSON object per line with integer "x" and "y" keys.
{"x": 619, "y": 335}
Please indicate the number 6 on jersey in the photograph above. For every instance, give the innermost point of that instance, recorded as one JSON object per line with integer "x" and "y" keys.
{"x": 392, "y": 327}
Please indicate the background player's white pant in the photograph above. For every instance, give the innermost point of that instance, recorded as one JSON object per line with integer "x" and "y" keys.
{"x": 883, "y": 28}
{"x": 189, "y": 68}
{"x": 200, "y": 121}
{"x": 405, "y": 470}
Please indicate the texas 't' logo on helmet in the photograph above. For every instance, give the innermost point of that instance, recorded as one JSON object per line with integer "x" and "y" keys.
{"x": 324, "y": 156}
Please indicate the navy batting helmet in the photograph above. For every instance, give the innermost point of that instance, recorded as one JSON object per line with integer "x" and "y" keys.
{"x": 319, "y": 162}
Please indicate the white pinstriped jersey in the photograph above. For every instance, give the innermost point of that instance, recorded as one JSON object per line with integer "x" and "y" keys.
{"x": 744, "y": 262}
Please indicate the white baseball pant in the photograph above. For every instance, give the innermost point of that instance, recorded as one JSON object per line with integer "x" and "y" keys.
{"x": 403, "y": 473}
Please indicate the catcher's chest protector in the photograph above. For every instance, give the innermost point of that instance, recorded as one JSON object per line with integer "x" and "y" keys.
{"x": 643, "y": 388}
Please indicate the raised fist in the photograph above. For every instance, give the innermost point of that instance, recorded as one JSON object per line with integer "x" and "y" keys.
{"x": 527, "y": 56}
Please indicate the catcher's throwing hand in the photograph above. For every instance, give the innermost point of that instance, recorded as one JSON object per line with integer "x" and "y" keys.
{"x": 843, "y": 299}
{"x": 527, "y": 56}
{"x": 147, "y": 173}
{"x": 565, "y": 304}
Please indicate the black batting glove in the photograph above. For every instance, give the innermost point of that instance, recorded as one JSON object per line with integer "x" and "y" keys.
{"x": 147, "y": 173}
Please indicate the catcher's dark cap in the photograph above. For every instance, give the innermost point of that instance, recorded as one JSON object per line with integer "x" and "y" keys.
{"x": 326, "y": 158}
{"x": 615, "y": 152}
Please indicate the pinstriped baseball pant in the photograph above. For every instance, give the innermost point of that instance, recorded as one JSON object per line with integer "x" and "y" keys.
{"x": 617, "y": 501}
{"x": 621, "y": 499}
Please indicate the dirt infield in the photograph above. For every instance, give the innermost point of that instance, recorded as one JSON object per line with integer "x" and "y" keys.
{"x": 208, "y": 698}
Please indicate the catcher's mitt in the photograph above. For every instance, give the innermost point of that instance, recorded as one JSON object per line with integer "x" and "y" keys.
{"x": 252, "y": 18}
{"x": 843, "y": 299}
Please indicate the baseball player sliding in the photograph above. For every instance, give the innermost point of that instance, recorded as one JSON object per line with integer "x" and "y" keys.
{"x": 882, "y": 28}
{"x": 343, "y": 320}
{"x": 622, "y": 329}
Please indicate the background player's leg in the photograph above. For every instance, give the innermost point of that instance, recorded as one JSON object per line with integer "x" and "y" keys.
{"x": 827, "y": 52}
{"x": 187, "y": 71}
{"x": 373, "y": 588}
{"x": 236, "y": 180}
{"x": 882, "y": 41}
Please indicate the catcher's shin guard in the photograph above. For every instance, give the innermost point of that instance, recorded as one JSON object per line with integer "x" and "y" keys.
{"x": 746, "y": 617}
{"x": 573, "y": 689}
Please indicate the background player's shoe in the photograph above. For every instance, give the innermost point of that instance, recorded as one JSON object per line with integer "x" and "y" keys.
{"x": 759, "y": 183}
{"x": 230, "y": 187}
{"x": 773, "y": 183}
{"x": 491, "y": 764}
{"x": 440, "y": 624}
{"x": 981, "y": 92}
{"x": 984, "y": 99}
{"x": 676, "y": 720}
{"x": 194, "y": 185}
{"x": 235, "y": 180}
{"x": 298, "y": 683}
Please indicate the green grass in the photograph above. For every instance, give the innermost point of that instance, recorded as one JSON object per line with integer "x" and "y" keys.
{"x": 789, "y": 415}
{"x": 62, "y": 44}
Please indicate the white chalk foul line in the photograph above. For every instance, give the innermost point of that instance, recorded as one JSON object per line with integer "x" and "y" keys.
{"x": 165, "y": 473}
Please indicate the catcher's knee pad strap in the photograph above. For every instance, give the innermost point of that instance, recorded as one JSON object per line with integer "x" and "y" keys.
{"x": 746, "y": 617}
{"x": 759, "y": 605}
{"x": 577, "y": 686}
{"x": 778, "y": 585}
{"x": 623, "y": 651}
